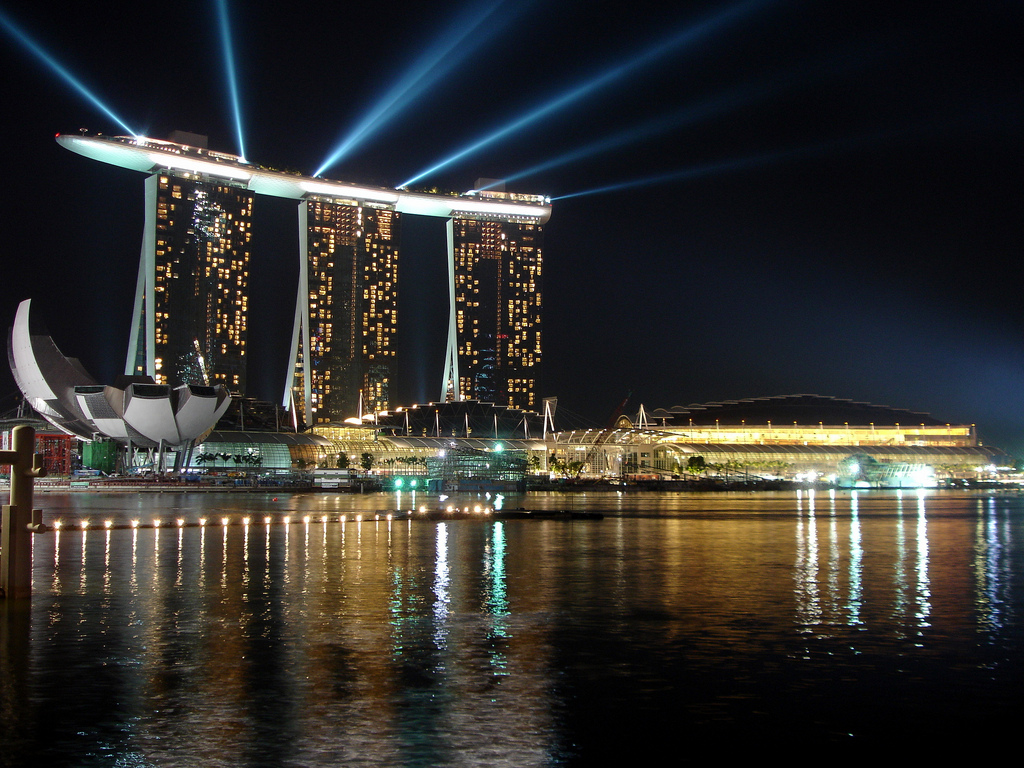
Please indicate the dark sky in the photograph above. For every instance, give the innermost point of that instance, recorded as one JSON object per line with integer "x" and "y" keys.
{"x": 852, "y": 225}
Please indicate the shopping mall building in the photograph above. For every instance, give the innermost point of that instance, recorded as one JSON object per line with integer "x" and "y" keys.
{"x": 788, "y": 436}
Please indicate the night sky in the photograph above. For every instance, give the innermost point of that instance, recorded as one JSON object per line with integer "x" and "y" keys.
{"x": 832, "y": 204}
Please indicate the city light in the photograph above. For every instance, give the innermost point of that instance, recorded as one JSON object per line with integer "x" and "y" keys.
{"x": 60, "y": 70}
{"x": 229, "y": 66}
{"x": 462, "y": 37}
{"x": 689, "y": 36}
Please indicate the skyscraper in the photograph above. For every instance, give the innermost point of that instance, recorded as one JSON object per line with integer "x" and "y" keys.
{"x": 347, "y": 308}
{"x": 495, "y": 334}
{"x": 191, "y": 304}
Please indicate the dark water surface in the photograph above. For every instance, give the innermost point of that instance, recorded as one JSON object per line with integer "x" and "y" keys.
{"x": 682, "y": 628}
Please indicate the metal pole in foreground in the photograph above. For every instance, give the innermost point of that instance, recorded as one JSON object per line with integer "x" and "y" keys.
{"x": 20, "y": 521}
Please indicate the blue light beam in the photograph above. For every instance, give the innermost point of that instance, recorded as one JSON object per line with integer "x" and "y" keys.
{"x": 59, "y": 69}
{"x": 752, "y": 161}
{"x": 660, "y": 125}
{"x": 737, "y": 98}
{"x": 688, "y": 36}
{"x": 223, "y": 21}
{"x": 693, "y": 172}
{"x": 443, "y": 56}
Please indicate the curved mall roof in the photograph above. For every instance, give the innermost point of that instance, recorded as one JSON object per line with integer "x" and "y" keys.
{"x": 139, "y": 153}
{"x": 787, "y": 409}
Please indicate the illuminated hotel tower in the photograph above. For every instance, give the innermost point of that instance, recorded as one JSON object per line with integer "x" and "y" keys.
{"x": 191, "y": 302}
{"x": 346, "y": 313}
{"x": 191, "y": 306}
{"x": 494, "y": 347}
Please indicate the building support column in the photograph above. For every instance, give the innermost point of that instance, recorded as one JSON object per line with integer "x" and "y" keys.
{"x": 300, "y": 349}
{"x": 141, "y": 359}
{"x": 450, "y": 386}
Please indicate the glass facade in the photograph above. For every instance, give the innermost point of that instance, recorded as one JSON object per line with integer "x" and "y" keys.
{"x": 467, "y": 469}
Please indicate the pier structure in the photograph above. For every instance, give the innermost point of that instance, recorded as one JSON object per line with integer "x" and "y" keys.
{"x": 20, "y": 520}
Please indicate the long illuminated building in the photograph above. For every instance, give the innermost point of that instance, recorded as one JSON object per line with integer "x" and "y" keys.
{"x": 191, "y": 307}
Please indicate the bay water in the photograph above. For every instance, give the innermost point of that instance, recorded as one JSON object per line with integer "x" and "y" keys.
{"x": 811, "y": 625}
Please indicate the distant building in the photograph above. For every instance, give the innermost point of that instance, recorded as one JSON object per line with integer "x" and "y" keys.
{"x": 134, "y": 411}
{"x": 57, "y": 448}
{"x": 462, "y": 418}
{"x": 778, "y": 436}
{"x": 807, "y": 420}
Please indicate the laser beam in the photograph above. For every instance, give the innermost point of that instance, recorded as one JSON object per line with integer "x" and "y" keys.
{"x": 223, "y": 21}
{"x": 467, "y": 30}
{"x": 60, "y": 70}
{"x": 743, "y": 163}
{"x": 632, "y": 135}
{"x": 739, "y": 97}
{"x": 693, "y": 172}
{"x": 688, "y": 36}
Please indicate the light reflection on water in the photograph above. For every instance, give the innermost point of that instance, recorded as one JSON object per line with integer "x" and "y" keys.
{"x": 812, "y": 618}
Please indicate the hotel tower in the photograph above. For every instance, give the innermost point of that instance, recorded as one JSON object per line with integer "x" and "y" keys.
{"x": 346, "y": 311}
{"x": 192, "y": 305}
{"x": 495, "y": 345}
{"x": 191, "y": 300}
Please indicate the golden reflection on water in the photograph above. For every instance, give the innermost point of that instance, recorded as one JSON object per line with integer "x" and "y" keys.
{"x": 832, "y": 559}
{"x": 380, "y": 637}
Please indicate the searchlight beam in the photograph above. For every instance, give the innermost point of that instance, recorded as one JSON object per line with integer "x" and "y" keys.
{"x": 60, "y": 70}
{"x": 689, "y": 36}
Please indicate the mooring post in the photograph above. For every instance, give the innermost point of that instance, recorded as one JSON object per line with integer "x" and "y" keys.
{"x": 20, "y": 521}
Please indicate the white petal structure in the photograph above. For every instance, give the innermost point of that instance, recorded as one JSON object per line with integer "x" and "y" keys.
{"x": 45, "y": 376}
{"x": 198, "y": 408}
{"x": 133, "y": 409}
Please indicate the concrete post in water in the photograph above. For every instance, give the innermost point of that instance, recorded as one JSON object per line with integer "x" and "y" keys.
{"x": 20, "y": 521}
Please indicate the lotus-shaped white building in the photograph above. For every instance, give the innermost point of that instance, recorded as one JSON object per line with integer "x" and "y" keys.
{"x": 134, "y": 410}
